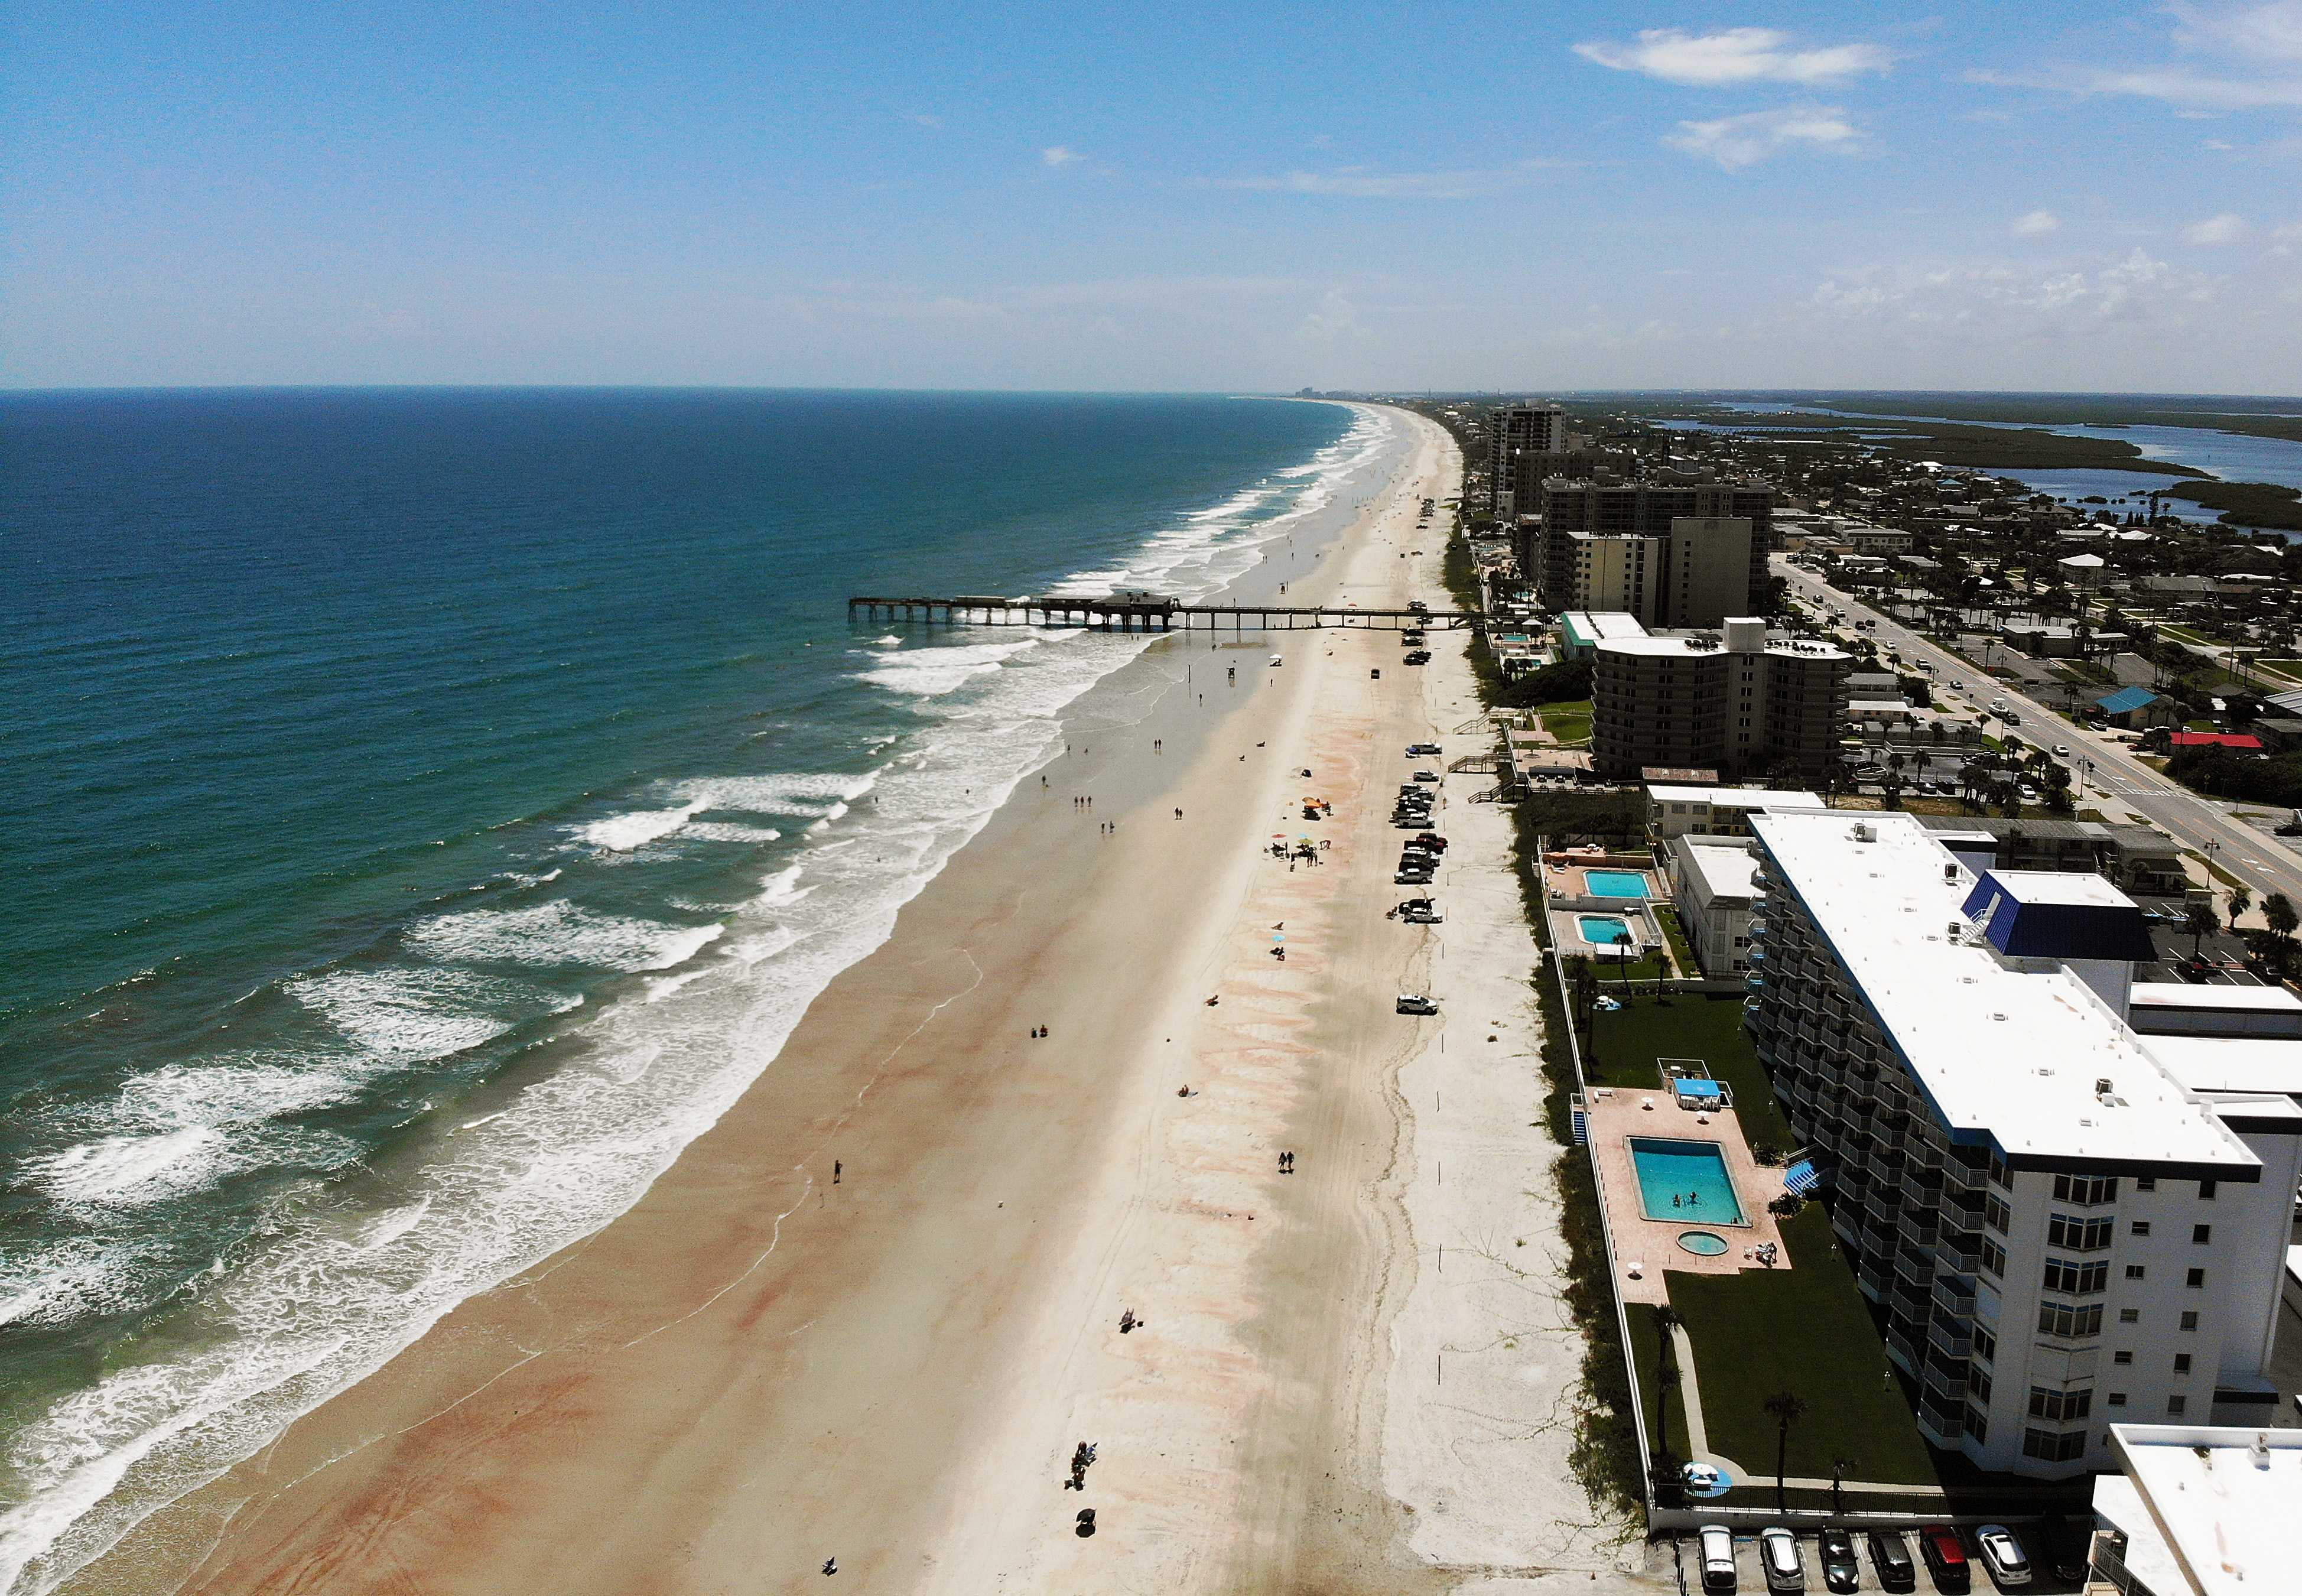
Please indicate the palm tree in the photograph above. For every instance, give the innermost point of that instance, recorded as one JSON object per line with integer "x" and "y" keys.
{"x": 2201, "y": 922}
{"x": 1841, "y": 1465}
{"x": 1787, "y": 1408}
{"x": 2241, "y": 899}
{"x": 2279, "y": 914}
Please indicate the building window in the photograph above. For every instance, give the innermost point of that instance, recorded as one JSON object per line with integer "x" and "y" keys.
{"x": 2134, "y": 1272}
{"x": 2189, "y": 1321}
{"x": 2121, "y": 1357}
{"x": 2077, "y": 1235}
{"x": 2130, "y": 1315}
{"x": 2083, "y": 1280}
{"x": 1986, "y": 1345}
{"x": 2055, "y": 1447}
{"x": 2140, "y": 1227}
{"x": 2069, "y": 1321}
{"x": 2146, "y": 1183}
{"x": 2174, "y": 1405}
{"x": 2114, "y": 1399}
{"x": 1976, "y": 1424}
{"x": 1994, "y": 1213}
{"x": 1994, "y": 1257}
{"x": 1978, "y": 1383}
{"x": 2195, "y": 1279}
{"x": 2181, "y": 1363}
{"x": 1998, "y": 1173}
{"x": 2202, "y": 1234}
{"x": 2085, "y": 1192}
{"x": 2058, "y": 1406}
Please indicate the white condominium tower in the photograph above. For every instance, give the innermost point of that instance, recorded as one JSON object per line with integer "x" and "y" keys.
{"x": 2069, "y": 1224}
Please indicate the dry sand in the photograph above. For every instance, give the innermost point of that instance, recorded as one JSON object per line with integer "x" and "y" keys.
{"x": 1355, "y": 1377}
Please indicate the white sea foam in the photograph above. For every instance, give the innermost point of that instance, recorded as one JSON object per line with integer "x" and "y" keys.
{"x": 65, "y": 1279}
{"x": 727, "y": 831}
{"x": 406, "y": 1014}
{"x": 555, "y": 933}
{"x": 329, "y": 1298}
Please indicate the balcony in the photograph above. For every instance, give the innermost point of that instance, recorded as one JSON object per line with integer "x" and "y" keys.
{"x": 1957, "y": 1252}
{"x": 1951, "y": 1337}
{"x": 1918, "y": 1192}
{"x": 1902, "y": 1351}
{"x": 1954, "y": 1295}
{"x": 1943, "y": 1424}
{"x": 1872, "y": 1277}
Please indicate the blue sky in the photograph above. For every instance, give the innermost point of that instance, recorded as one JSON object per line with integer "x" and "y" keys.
{"x": 2095, "y": 195}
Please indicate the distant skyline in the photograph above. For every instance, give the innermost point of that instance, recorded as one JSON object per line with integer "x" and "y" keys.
{"x": 2070, "y": 195}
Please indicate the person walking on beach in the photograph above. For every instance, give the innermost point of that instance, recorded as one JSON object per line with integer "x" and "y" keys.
{"x": 836, "y": 1168}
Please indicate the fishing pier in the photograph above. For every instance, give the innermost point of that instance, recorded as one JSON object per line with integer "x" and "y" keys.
{"x": 1149, "y": 614}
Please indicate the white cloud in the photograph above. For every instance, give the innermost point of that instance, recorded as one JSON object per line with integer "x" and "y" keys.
{"x": 2038, "y": 224}
{"x": 2228, "y": 228}
{"x": 1058, "y": 155}
{"x": 1975, "y": 303}
{"x": 1734, "y": 56}
{"x": 2256, "y": 62}
{"x": 1362, "y": 182}
{"x": 1734, "y": 142}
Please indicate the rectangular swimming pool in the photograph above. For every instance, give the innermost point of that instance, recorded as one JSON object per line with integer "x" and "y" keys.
{"x": 1602, "y": 930}
{"x": 1615, "y": 884}
{"x": 1685, "y": 1181}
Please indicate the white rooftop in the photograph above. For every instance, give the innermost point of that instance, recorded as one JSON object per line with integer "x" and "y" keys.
{"x": 1725, "y": 870}
{"x": 1709, "y": 648}
{"x": 2231, "y": 1064}
{"x": 2061, "y": 886}
{"x": 2223, "y": 1510}
{"x": 2011, "y": 1053}
{"x": 2183, "y": 995}
{"x": 1734, "y": 797}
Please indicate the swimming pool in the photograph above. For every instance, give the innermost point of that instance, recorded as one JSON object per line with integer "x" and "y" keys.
{"x": 1614, "y": 883}
{"x": 1692, "y": 1175}
{"x": 1702, "y": 1244}
{"x": 1603, "y": 929}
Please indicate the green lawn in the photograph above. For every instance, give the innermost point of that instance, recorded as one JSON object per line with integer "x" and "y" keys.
{"x": 1677, "y": 934}
{"x": 1688, "y": 1025}
{"x": 1567, "y": 722}
{"x": 1805, "y": 1329}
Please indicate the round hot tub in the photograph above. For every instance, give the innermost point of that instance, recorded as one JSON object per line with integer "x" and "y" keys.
{"x": 1703, "y": 1243}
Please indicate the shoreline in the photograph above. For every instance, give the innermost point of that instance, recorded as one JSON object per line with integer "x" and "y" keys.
{"x": 755, "y": 1368}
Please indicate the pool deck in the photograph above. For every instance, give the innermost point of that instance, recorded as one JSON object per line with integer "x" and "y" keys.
{"x": 1615, "y": 1115}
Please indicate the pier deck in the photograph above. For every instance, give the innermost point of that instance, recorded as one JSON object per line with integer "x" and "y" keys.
{"x": 1133, "y": 615}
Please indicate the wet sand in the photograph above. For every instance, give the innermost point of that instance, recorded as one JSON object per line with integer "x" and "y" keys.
{"x": 759, "y": 1367}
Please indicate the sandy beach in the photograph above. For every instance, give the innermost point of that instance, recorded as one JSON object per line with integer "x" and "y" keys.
{"x": 869, "y": 1314}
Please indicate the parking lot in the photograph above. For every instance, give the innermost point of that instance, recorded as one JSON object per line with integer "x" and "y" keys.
{"x": 1751, "y": 1577}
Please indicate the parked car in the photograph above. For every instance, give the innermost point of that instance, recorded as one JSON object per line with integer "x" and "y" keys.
{"x": 2002, "y": 1555}
{"x": 1416, "y": 750}
{"x": 1415, "y": 1002}
{"x": 2067, "y": 1547}
{"x": 1945, "y": 1556}
{"x": 1716, "y": 1545}
{"x": 1426, "y": 776}
{"x": 1890, "y": 1559}
{"x": 1416, "y": 656}
{"x": 1835, "y": 1550}
{"x": 1779, "y": 1559}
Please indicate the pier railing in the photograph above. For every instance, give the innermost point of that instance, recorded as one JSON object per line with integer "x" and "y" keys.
{"x": 1137, "y": 615}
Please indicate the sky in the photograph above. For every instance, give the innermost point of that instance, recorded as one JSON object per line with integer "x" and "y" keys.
{"x": 2059, "y": 194}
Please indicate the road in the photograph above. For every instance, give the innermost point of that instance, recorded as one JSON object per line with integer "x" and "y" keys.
{"x": 2102, "y": 762}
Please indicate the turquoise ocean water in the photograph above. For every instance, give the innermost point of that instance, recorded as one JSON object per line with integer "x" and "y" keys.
{"x": 431, "y": 808}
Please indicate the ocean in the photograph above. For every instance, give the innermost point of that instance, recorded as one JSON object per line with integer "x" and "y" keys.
{"x": 435, "y": 807}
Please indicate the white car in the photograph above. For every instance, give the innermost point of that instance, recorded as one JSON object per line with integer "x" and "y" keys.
{"x": 2002, "y": 1554}
{"x": 1415, "y": 1002}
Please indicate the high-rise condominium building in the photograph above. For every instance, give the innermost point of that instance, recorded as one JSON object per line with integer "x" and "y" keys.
{"x": 1527, "y": 440}
{"x": 2068, "y": 1223}
{"x": 1735, "y": 703}
{"x": 1679, "y": 553}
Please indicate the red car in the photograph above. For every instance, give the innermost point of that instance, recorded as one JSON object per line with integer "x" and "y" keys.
{"x": 1946, "y": 1559}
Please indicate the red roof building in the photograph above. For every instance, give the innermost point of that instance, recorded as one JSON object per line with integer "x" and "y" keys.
{"x": 2213, "y": 740}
